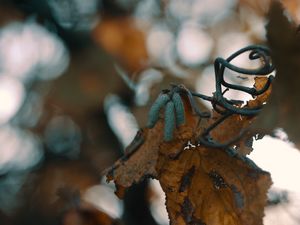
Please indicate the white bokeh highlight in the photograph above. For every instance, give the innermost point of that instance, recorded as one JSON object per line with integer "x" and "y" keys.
{"x": 120, "y": 119}
{"x": 157, "y": 203}
{"x": 28, "y": 50}
{"x": 160, "y": 41}
{"x": 206, "y": 12}
{"x": 20, "y": 150}
{"x": 194, "y": 45}
{"x": 12, "y": 95}
{"x": 281, "y": 159}
{"x": 104, "y": 198}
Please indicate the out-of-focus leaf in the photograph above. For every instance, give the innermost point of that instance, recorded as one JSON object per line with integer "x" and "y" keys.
{"x": 202, "y": 185}
{"x": 283, "y": 109}
{"x": 121, "y": 38}
{"x": 52, "y": 190}
{"x": 262, "y": 7}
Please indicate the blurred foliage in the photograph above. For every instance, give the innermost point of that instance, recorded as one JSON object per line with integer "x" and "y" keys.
{"x": 58, "y": 65}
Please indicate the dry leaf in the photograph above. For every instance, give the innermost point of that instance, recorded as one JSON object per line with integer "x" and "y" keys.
{"x": 142, "y": 154}
{"x": 207, "y": 186}
{"x": 202, "y": 185}
{"x": 235, "y": 124}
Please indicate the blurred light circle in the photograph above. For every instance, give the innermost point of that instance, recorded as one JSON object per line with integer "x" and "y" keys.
{"x": 282, "y": 160}
{"x": 12, "y": 95}
{"x": 232, "y": 42}
{"x": 28, "y": 50}
{"x": 20, "y": 150}
{"x": 286, "y": 210}
{"x": 206, "y": 12}
{"x": 63, "y": 137}
{"x": 148, "y": 79}
{"x": 180, "y": 9}
{"x": 159, "y": 42}
{"x": 205, "y": 84}
{"x": 147, "y": 10}
{"x": 120, "y": 119}
{"x": 212, "y": 11}
{"x": 31, "y": 110}
{"x": 194, "y": 46}
{"x": 285, "y": 162}
{"x": 75, "y": 14}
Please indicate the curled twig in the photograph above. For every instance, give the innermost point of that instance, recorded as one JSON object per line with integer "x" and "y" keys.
{"x": 222, "y": 105}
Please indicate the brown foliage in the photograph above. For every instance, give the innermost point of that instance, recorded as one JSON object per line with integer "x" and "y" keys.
{"x": 202, "y": 185}
{"x": 236, "y": 125}
{"x": 121, "y": 38}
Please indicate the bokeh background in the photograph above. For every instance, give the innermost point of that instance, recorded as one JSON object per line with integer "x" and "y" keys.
{"x": 76, "y": 81}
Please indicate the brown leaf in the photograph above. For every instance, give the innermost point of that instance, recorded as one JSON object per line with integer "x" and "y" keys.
{"x": 136, "y": 164}
{"x": 207, "y": 186}
{"x": 202, "y": 185}
{"x": 142, "y": 154}
{"x": 236, "y": 125}
{"x": 283, "y": 109}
